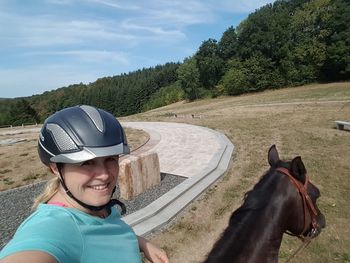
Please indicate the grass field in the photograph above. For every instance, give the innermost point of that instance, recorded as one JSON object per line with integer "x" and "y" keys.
{"x": 300, "y": 121}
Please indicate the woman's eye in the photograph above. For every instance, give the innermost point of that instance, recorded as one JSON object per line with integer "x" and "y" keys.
{"x": 112, "y": 160}
{"x": 86, "y": 163}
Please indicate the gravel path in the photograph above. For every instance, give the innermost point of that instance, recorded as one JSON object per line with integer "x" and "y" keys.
{"x": 15, "y": 204}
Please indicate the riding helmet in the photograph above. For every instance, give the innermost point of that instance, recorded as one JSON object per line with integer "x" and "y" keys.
{"x": 80, "y": 133}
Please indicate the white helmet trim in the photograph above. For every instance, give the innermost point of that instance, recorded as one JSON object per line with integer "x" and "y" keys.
{"x": 89, "y": 153}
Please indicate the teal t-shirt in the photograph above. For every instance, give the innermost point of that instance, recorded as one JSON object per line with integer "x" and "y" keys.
{"x": 71, "y": 235}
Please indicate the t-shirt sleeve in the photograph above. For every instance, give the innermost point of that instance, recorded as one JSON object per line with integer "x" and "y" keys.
{"x": 59, "y": 237}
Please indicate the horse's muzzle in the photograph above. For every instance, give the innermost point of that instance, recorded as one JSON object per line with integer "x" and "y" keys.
{"x": 321, "y": 223}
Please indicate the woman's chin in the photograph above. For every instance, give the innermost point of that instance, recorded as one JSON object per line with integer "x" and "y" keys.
{"x": 98, "y": 200}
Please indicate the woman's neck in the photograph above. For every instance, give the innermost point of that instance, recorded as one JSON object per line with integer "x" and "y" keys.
{"x": 63, "y": 198}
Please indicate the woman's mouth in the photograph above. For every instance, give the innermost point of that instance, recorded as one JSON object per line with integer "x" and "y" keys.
{"x": 99, "y": 187}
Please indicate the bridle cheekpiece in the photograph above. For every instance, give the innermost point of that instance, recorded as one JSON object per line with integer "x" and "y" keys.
{"x": 308, "y": 206}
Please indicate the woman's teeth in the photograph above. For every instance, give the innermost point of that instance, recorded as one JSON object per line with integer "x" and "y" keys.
{"x": 99, "y": 187}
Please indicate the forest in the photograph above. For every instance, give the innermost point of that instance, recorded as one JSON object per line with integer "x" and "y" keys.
{"x": 287, "y": 43}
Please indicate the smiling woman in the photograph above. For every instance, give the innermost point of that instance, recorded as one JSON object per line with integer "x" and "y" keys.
{"x": 92, "y": 181}
{"x": 81, "y": 146}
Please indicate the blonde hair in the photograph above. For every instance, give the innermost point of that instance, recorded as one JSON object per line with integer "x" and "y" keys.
{"x": 49, "y": 191}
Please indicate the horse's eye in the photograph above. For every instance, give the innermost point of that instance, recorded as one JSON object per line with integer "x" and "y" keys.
{"x": 313, "y": 192}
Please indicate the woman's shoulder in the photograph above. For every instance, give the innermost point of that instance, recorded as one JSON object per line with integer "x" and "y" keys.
{"x": 50, "y": 229}
{"x": 51, "y": 216}
{"x": 48, "y": 222}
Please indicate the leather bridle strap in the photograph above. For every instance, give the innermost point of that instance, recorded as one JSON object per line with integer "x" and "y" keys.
{"x": 307, "y": 202}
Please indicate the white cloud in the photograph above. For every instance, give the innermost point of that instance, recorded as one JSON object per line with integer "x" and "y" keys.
{"x": 99, "y": 56}
{"x": 146, "y": 20}
{"x": 49, "y": 30}
{"x": 152, "y": 32}
{"x": 160, "y": 18}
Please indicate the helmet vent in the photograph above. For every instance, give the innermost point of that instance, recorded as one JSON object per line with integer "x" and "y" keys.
{"x": 62, "y": 139}
{"x": 94, "y": 116}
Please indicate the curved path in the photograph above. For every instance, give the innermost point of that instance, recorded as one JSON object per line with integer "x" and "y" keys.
{"x": 183, "y": 149}
{"x": 198, "y": 153}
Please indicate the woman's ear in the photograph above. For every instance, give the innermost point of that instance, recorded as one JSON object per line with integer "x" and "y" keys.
{"x": 54, "y": 169}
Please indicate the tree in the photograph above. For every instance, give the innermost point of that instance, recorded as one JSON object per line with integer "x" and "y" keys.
{"x": 228, "y": 44}
{"x": 166, "y": 95}
{"x": 254, "y": 74}
{"x": 235, "y": 80}
{"x": 260, "y": 73}
{"x": 265, "y": 35}
{"x": 266, "y": 32}
{"x": 5, "y": 105}
{"x": 310, "y": 30}
{"x": 188, "y": 75}
{"x": 21, "y": 112}
{"x": 209, "y": 63}
{"x": 337, "y": 62}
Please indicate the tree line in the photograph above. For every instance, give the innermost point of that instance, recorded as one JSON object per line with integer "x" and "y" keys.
{"x": 287, "y": 43}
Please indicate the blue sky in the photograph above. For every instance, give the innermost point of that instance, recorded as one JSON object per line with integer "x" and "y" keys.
{"x": 48, "y": 44}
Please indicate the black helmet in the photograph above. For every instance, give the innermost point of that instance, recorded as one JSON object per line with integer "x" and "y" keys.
{"x": 80, "y": 133}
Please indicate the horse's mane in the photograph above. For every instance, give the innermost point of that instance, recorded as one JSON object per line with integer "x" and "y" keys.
{"x": 257, "y": 198}
{"x": 244, "y": 219}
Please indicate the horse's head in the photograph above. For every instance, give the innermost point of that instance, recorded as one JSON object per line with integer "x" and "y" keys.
{"x": 306, "y": 219}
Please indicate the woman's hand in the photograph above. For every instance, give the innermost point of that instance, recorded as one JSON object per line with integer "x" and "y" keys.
{"x": 152, "y": 252}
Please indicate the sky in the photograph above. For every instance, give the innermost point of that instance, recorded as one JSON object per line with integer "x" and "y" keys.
{"x": 49, "y": 44}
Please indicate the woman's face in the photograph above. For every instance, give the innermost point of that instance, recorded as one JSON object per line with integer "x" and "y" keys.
{"x": 93, "y": 181}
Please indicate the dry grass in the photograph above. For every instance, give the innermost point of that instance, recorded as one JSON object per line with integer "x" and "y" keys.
{"x": 20, "y": 164}
{"x": 300, "y": 121}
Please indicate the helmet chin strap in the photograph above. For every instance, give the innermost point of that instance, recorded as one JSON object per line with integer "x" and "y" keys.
{"x": 109, "y": 204}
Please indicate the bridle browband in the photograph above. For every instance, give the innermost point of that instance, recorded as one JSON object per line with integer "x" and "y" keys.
{"x": 307, "y": 203}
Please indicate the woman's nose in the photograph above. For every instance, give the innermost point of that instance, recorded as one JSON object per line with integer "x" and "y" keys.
{"x": 101, "y": 170}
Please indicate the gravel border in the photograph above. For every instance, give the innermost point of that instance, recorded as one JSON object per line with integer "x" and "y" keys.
{"x": 15, "y": 203}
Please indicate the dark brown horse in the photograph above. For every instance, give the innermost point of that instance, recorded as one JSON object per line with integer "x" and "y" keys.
{"x": 284, "y": 200}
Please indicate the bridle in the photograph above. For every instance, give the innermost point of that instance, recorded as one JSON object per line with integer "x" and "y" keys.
{"x": 308, "y": 206}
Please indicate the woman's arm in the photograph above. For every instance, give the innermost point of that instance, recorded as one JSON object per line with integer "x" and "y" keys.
{"x": 29, "y": 257}
{"x": 152, "y": 252}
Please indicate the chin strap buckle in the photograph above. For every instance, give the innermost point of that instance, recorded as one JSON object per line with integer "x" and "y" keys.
{"x": 114, "y": 202}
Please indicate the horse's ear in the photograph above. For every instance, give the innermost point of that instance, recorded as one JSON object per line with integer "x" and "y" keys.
{"x": 298, "y": 169}
{"x": 273, "y": 156}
